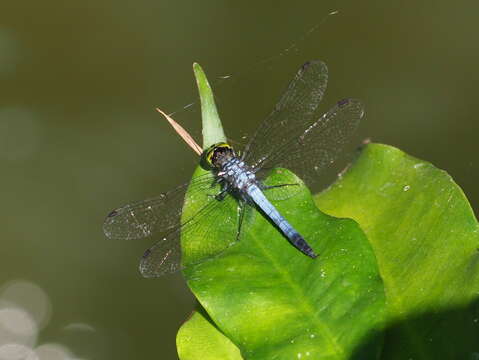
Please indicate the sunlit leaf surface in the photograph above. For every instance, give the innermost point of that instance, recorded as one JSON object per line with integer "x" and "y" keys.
{"x": 426, "y": 238}
{"x": 199, "y": 339}
{"x": 272, "y": 301}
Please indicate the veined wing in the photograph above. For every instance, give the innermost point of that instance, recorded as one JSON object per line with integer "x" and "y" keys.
{"x": 160, "y": 215}
{"x": 215, "y": 220}
{"x": 163, "y": 216}
{"x": 318, "y": 144}
{"x": 291, "y": 115}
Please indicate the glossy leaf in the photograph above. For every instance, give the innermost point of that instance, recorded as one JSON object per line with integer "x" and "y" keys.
{"x": 199, "y": 339}
{"x": 426, "y": 238}
{"x": 212, "y": 128}
{"x": 272, "y": 301}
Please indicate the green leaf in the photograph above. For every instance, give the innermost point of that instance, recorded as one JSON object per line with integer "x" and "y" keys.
{"x": 199, "y": 339}
{"x": 212, "y": 128}
{"x": 272, "y": 301}
{"x": 425, "y": 237}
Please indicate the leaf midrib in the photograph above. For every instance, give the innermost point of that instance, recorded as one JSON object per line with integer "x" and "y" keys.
{"x": 299, "y": 292}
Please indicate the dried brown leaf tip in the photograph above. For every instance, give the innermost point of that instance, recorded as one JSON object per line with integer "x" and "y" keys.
{"x": 183, "y": 133}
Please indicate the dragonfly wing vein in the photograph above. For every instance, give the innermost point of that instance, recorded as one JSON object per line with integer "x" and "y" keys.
{"x": 320, "y": 143}
{"x": 159, "y": 215}
{"x": 166, "y": 255}
{"x": 291, "y": 115}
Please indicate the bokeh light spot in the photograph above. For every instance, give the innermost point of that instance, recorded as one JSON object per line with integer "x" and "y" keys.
{"x": 30, "y": 297}
{"x": 53, "y": 352}
{"x": 17, "y": 352}
{"x": 17, "y": 326}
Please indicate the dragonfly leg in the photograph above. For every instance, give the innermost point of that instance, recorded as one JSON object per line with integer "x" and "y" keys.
{"x": 267, "y": 187}
{"x": 241, "y": 212}
{"x": 224, "y": 190}
{"x": 220, "y": 196}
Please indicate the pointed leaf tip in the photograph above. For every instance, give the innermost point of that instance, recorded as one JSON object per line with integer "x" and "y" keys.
{"x": 211, "y": 123}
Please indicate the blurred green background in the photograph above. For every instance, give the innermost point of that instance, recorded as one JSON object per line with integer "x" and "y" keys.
{"x": 79, "y": 135}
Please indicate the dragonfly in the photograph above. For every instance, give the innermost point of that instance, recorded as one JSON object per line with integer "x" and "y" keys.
{"x": 293, "y": 136}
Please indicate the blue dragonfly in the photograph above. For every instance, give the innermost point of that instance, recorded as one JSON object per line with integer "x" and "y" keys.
{"x": 291, "y": 137}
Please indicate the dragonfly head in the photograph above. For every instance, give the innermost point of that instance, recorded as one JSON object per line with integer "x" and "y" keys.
{"x": 217, "y": 155}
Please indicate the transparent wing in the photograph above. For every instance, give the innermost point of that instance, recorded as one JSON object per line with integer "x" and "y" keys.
{"x": 166, "y": 255}
{"x": 163, "y": 217}
{"x": 291, "y": 115}
{"x": 319, "y": 144}
{"x": 156, "y": 216}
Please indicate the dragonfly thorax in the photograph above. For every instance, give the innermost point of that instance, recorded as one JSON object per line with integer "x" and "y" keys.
{"x": 224, "y": 162}
{"x": 237, "y": 174}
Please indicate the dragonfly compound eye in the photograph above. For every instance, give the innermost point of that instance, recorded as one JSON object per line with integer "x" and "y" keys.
{"x": 217, "y": 155}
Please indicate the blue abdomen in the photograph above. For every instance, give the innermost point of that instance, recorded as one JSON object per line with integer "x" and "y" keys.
{"x": 256, "y": 195}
